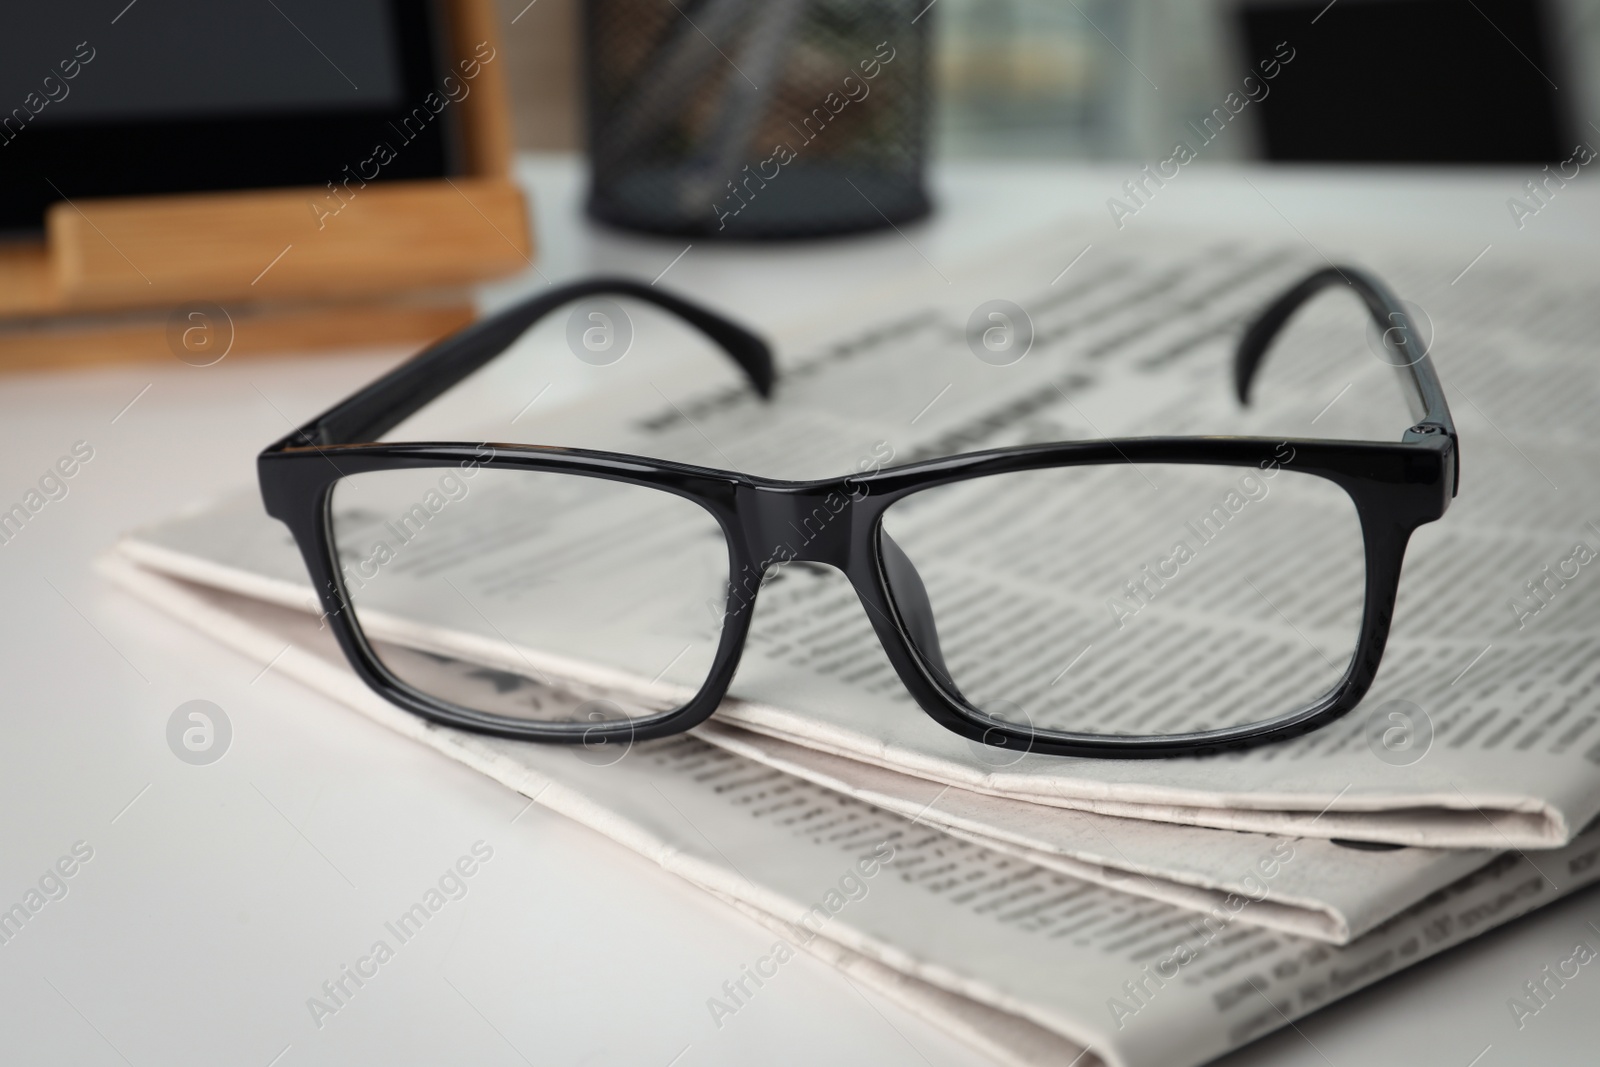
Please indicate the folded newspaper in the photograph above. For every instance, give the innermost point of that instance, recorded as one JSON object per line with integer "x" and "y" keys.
{"x": 1029, "y": 965}
{"x": 1334, "y": 891}
{"x": 1183, "y": 897}
{"x": 1495, "y": 648}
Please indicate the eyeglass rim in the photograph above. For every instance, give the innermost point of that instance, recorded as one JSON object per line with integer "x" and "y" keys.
{"x": 1393, "y": 485}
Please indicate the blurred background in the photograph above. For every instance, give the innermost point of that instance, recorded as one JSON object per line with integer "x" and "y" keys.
{"x": 1121, "y": 79}
{"x": 679, "y": 115}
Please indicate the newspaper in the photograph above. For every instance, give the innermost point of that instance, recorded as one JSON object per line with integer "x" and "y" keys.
{"x": 1495, "y": 648}
{"x": 1334, "y": 891}
{"x": 1031, "y": 965}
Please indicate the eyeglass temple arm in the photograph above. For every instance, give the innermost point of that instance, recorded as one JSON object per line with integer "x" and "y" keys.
{"x": 1424, "y": 394}
{"x": 399, "y": 394}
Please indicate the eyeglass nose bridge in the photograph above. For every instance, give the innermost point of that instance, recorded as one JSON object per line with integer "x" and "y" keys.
{"x": 816, "y": 524}
{"x": 786, "y": 524}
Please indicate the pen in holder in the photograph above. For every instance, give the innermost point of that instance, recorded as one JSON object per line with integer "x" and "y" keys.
{"x": 756, "y": 118}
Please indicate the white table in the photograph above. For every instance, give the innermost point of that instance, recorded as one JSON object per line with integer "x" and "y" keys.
{"x": 219, "y": 898}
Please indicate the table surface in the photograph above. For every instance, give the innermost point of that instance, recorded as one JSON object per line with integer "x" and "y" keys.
{"x": 219, "y": 898}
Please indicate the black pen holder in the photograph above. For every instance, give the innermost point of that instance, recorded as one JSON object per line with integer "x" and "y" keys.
{"x": 757, "y": 118}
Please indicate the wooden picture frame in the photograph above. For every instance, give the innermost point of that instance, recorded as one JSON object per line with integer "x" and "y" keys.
{"x": 386, "y": 265}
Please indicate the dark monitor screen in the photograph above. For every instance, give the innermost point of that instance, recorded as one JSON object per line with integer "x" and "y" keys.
{"x": 108, "y": 98}
{"x": 1410, "y": 81}
{"x": 186, "y": 59}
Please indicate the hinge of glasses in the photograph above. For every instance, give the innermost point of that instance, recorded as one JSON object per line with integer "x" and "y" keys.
{"x": 1422, "y": 431}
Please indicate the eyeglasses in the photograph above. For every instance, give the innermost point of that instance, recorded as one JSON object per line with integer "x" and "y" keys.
{"x": 1136, "y": 597}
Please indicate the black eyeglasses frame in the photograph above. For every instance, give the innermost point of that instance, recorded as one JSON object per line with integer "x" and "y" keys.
{"x": 1396, "y": 487}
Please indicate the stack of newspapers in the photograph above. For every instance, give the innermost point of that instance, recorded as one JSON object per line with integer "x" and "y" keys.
{"x": 1146, "y": 913}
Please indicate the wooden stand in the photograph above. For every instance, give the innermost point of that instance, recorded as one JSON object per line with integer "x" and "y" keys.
{"x": 387, "y": 267}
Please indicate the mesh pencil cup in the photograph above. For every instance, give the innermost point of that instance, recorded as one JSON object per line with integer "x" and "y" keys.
{"x": 756, "y": 118}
